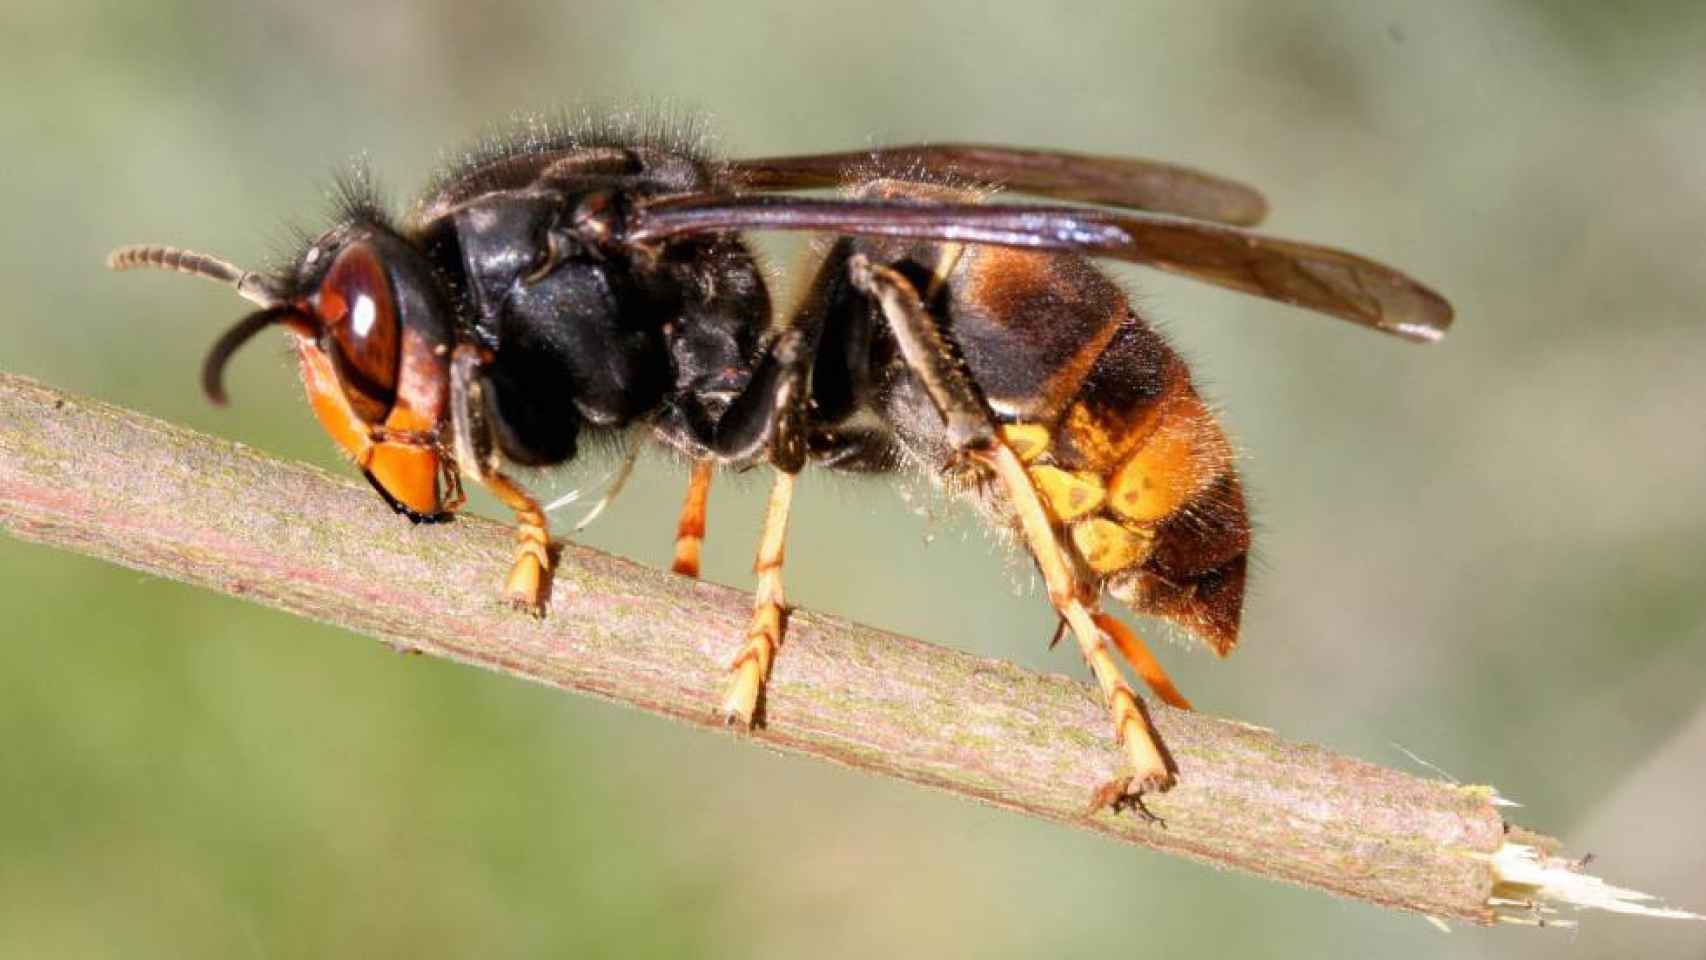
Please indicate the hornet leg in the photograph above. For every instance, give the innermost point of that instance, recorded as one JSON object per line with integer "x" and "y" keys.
{"x": 477, "y": 453}
{"x": 971, "y": 427}
{"x": 751, "y": 666}
{"x": 769, "y": 417}
{"x": 690, "y": 528}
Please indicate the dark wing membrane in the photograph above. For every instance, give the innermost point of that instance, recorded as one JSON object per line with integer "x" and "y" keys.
{"x": 1316, "y": 278}
{"x": 1114, "y": 181}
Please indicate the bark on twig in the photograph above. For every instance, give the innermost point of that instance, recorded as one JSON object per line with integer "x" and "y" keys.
{"x": 96, "y": 479}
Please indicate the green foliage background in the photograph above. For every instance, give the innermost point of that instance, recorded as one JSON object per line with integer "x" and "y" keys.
{"x": 1487, "y": 552}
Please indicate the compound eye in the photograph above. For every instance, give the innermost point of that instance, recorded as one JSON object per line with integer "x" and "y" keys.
{"x": 359, "y": 318}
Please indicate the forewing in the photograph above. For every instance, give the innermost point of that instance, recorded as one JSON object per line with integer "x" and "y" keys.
{"x": 1114, "y": 181}
{"x": 1316, "y": 278}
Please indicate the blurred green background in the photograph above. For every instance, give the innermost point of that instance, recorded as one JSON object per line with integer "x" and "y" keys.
{"x": 1485, "y": 553}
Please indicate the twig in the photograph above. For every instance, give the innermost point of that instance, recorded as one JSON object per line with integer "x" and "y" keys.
{"x": 104, "y": 481}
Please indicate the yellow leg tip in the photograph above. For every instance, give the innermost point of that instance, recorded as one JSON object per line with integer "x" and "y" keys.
{"x": 740, "y": 703}
{"x": 524, "y": 588}
{"x": 751, "y": 666}
{"x": 686, "y": 558}
{"x": 1122, "y": 793}
{"x": 1150, "y": 772}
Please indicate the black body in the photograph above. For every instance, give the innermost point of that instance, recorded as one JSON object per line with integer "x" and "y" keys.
{"x": 587, "y": 336}
{"x": 675, "y": 335}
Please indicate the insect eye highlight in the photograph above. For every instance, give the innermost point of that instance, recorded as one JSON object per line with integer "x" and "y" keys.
{"x": 358, "y": 317}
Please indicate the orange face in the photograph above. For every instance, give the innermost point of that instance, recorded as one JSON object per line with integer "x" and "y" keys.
{"x": 376, "y": 385}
